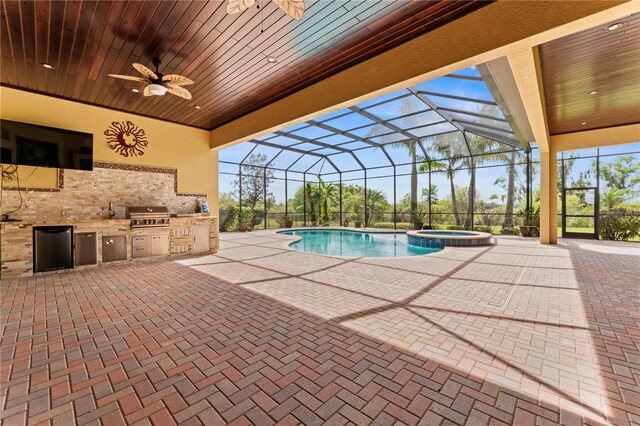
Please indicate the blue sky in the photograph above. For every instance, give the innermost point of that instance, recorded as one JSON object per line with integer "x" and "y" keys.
{"x": 422, "y": 123}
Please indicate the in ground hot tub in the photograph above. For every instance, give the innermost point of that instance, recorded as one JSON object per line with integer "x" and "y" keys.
{"x": 441, "y": 239}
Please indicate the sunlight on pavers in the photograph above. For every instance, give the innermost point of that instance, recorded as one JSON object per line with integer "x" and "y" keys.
{"x": 511, "y": 313}
{"x": 631, "y": 251}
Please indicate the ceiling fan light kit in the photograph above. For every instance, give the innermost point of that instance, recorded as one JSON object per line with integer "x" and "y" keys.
{"x": 157, "y": 89}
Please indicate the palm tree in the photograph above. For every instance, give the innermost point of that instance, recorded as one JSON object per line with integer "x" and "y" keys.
{"x": 410, "y": 145}
{"x": 377, "y": 201}
{"x": 446, "y": 145}
{"x": 326, "y": 195}
{"x": 311, "y": 197}
{"x": 508, "y": 214}
{"x": 450, "y": 166}
{"x": 482, "y": 145}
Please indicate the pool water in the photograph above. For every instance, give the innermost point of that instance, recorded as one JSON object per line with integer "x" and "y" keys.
{"x": 336, "y": 242}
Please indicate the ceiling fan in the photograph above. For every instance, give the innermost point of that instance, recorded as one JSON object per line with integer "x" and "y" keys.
{"x": 159, "y": 84}
{"x": 293, "y": 8}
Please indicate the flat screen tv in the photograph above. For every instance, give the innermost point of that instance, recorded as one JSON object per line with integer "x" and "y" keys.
{"x": 27, "y": 144}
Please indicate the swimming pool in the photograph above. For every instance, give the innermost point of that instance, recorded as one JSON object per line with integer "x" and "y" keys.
{"x": 337, "y": 242}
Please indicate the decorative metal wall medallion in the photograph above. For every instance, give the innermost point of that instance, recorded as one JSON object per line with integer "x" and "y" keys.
{"x": 126, "y": 138}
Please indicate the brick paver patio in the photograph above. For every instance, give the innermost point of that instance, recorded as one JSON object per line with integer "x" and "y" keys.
{"x": 516, "y": 333}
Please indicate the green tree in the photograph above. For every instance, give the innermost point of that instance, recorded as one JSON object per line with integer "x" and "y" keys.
{"x": 226, "y": 200}
{"x": 481, "y": 145}
{"x": 622, "y": 176}
{"x": 326, "y": 196}
{"x": 251, "y": 189}
{"x": 312, "y": 198}
{"x": 353, "y": 202}
{"x": 410, "y": 145}
{"x": 429, "y": 195}
{"x": 567, "y": 165}
{"x": 514, "y": 186}
{"x": 612, "y": 198}
{"x": 448, "y": 145}
{"x": 622, "y": 173}
{"x": 376, "y": 204}
{"x": 508, "y": 213}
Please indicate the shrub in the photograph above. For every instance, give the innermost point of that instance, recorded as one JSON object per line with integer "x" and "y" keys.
{"x": 228, "y": 218}
{"x": 389, "y": 225}
{"x": 247, "y": 216}
{"x": 456, "y": 228}
{"x": 529, "y": 216}
{"x": 509, "y": 231}
{"x": 483, "y": 229}
{"x": 382, "y": 225}
{"x": 284, "y": 220}
{"x": 256, "y": 217}
{"x": 620, "y": 224}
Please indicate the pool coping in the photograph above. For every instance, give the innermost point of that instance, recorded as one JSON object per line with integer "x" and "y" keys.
{"x": 432, "y": 233}
{"x": 342, "y": 228}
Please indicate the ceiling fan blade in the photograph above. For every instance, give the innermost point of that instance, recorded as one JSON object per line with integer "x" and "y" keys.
{"x": 177, "y": 80}
{"x": 178, "y": 91}
{"x": 127, "y": 77}
{"x": 293, "y": 8}
{"x": 237, "y": 6}
{"x": 147, "y": 91}
{"x": 145, "y": 71}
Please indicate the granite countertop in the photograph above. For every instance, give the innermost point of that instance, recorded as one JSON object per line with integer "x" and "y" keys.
{"x": 194, "y": 217}
{"x": 63, "y": 222}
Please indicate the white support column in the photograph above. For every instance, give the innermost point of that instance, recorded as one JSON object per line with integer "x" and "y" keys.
{"x": 548, "y": 198}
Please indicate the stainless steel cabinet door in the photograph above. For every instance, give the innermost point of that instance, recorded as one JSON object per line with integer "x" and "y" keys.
{"x": 201, "y": 237}
{"x": 114, "y": 248}
{"x": 159, "y": 245}
{"x": 86, "y": 248}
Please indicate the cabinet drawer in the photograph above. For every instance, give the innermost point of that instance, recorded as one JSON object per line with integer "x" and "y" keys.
{"x": 140, "y": 251}
{"x": 140, "y": 240}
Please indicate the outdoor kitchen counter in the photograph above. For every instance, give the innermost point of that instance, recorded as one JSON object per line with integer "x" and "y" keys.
{"x": 16, "y": 238}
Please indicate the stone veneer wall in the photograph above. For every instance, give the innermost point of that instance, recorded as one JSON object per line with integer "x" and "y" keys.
{"x": 86, "y": 194}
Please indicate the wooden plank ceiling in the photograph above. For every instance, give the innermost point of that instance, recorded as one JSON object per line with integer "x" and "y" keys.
{"x": 226, "y": 55}
{"x": 595, "y": 60}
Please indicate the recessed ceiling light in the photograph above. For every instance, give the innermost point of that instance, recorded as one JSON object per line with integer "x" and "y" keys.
{"x": 614, "y": 27}
{"x": 584, "y": 123}
{"x": 198, "y": 107}
{"x": 272, "y": 59}
{"x": 593, "y": 92}
{"x": 135, "y": 90}
{"x": 47, "y": 66}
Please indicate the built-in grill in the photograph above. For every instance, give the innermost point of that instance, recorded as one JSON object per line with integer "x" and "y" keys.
{"x": 148, "y": 216}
